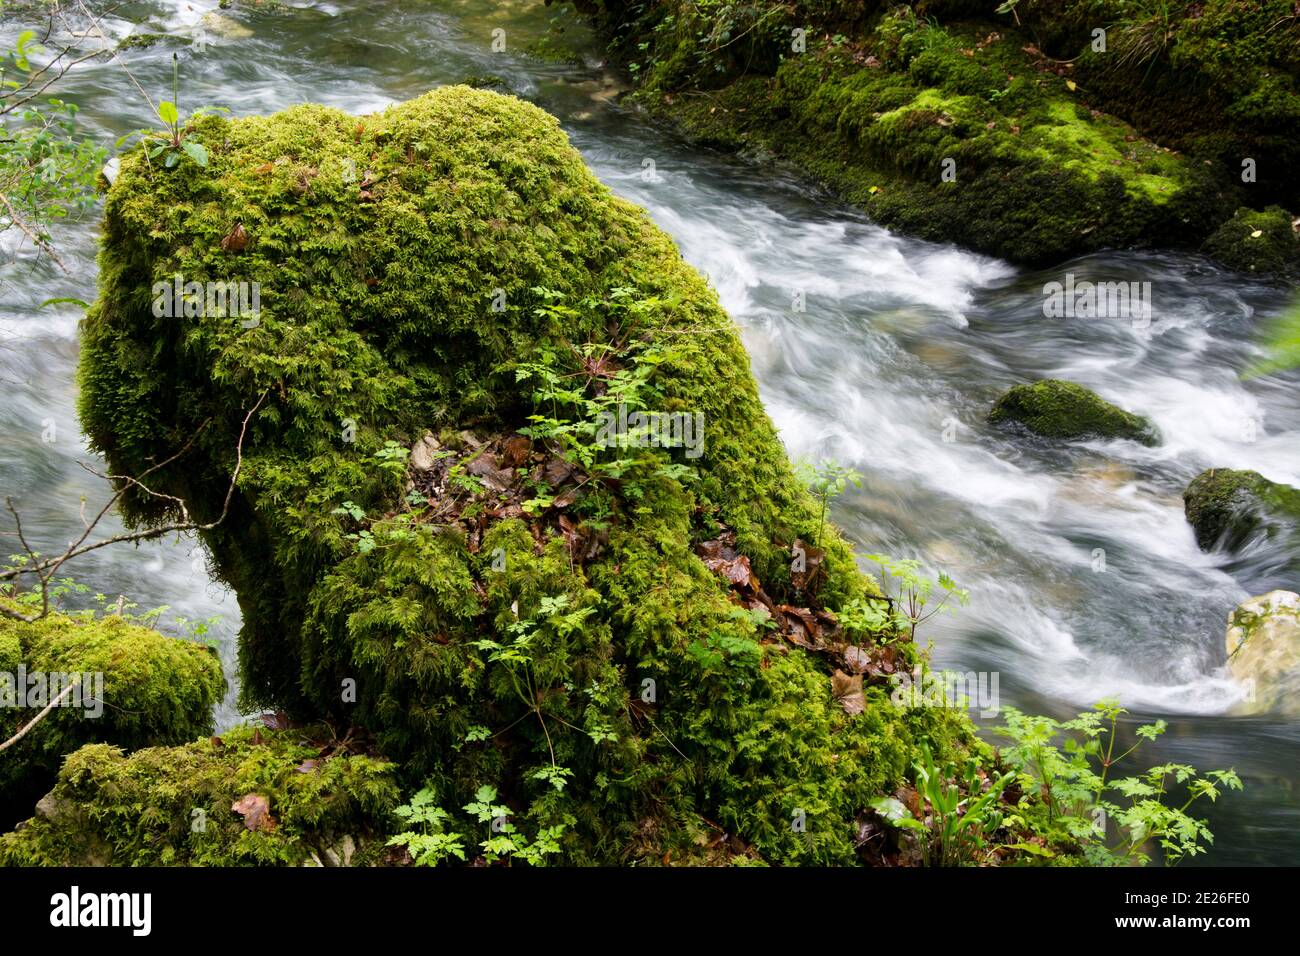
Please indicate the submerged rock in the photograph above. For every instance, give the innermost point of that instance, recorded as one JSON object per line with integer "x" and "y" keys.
{"x": 530, "y": 611}
{"x": 1226, "y": 508}
{"x": 1263, "y": 643}
{"x": 1063, "y": 410}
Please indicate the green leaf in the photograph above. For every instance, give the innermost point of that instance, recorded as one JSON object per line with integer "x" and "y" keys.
{"x": 167, "y": 113}
{"x": 196, "y": 152}
{"x": 1033, "y": 848}
{"x": 895, "y": 813}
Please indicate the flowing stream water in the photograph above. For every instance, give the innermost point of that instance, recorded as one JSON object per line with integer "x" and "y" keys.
{"x": 891, "y": 366}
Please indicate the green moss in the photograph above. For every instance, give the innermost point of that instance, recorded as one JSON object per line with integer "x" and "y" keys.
{"x": 1046, "y": 163}
{"x": 1225, "y": 507}
{"x": 143, "y": 40}
{"x": 1253, "y": 241}
{"x": 156, "y": 690}
{"x": 486, "y": 81}
{"x": 172, "y": 806}
{"x": 377, "y": 324}
{"x": 11, "y": 651}
{"x": 1064, "y": 410}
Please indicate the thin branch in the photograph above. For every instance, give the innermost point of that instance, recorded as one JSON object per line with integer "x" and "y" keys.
{"x": 45, "y": 570}
{"x": 39, "y": 717}
{"x": 42, "y": 244}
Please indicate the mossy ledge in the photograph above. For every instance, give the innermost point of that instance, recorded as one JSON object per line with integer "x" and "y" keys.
{"x": 412, "y": 265}
{"x": 1067, "y": 411}
{"x": 949, "y": 122}
{"x": 156, "y": 690}
{"x": 173, "y": 806}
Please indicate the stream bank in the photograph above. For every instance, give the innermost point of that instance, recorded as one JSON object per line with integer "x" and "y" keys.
{"x": 956, "y": 125}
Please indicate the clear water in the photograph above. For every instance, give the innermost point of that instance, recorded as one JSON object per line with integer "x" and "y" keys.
{"x": 891, "y": 367}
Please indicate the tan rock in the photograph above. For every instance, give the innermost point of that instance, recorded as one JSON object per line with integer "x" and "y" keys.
{"x": 1263, "y": 644}
{"x": 422, "y": 452}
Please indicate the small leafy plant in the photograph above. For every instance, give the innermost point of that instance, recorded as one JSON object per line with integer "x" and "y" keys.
{"x": 428, "y": 841}
{"x": 957, "y": 820}
{"x": 826, "y": 480}
{"x": 173, "y": 143}
{"x": 911, "y": 605}
{"x": 579, "y": 391}
{"x": 431, "y": 842}
{"x": 1081, "y": 805}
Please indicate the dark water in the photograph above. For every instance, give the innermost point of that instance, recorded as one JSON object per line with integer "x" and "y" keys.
{"x": 890, "y": 366}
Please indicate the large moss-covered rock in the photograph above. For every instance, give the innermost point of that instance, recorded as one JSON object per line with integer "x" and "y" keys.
{"x": 249, "y": 797}
{"x": 607, "y": 649}
{"x": 1263, "y": 643}
{"x": 1226, "y": 507}
{"x": 1065, "y": 410}
{"x": 155, "y": 690}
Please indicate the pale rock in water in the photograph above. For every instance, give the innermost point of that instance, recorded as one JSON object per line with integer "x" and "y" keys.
{"x": 224, "y": 27}
{"x": 1263, "y": 643}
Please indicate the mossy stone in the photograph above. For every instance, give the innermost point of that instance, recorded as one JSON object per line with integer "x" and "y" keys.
{"x": 1253, "y": 241}
{"x": 172, "y": 806}
{"x": 405, "y": 261}
{"x": 1067, "y": 411}
{"x": 156, "y": 690}
{"x": 1226, "y": 507}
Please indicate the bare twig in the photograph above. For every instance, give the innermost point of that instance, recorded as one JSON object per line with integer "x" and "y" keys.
{"x": 40, "y": 243}
{"x": 39, "y": 717}
{"x": 45, "y": 570}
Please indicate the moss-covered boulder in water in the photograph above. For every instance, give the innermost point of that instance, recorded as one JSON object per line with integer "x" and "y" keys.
{"x": 631, "y": 642}
{"x": 139, "y": 688}
{"x": 1254, "y": 241}
{"x": 1226, "y": 507}
{"x": 248, "y": 797}
{"x": 1064, "y": 410}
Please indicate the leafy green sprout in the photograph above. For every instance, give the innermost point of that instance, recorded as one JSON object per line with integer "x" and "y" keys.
{"x": 430, "y": 841}
{"x": 582, "y": 386}
{"x": 826, "y": 480}
{"x": 175, "y": 143}
{"x": 1079, "y": 799}
{"x": 172, "y": 142}
{"x": 557, "y": 616}
{"x": 911, "y": 606}
{"x": 960, "y": 818}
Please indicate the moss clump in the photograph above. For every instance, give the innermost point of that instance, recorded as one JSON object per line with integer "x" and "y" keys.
{"x": 1216, "y": 80}
{"x": 156, "y": 690}
{"x": 1253, "y": 241}
{"x": 143, "y": 41}
{"x": 172, "y": 806}
{"x": 1226, "y": 507}
{"x": 1065, "y": 410}
{"x": 574, "y": 651}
